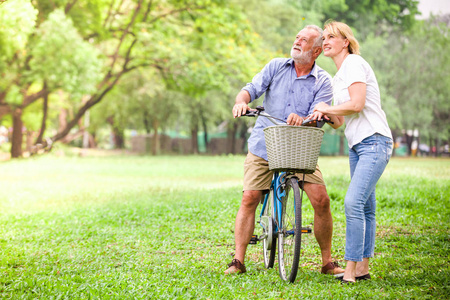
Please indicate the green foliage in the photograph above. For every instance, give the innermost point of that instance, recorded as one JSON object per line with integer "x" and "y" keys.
{"x": 197, "y": 52}
{"x": 14, "y": 97}
{"x": 371, "y": 16}
{"x": 63, "y": 59}
{"x": 162, "y": 228}
{"x": 17, "y": 21}
{"x": 417, "y": 79}
{"x": 143, "y": 95}
{"x": 382, "y": 66}
{"x": 278, "y": 22}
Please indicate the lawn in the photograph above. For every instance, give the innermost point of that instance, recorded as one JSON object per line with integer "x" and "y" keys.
{"x": 139, "y": 227}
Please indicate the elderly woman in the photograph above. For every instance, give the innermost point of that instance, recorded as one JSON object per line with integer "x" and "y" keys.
{"x": 357, "y": 103}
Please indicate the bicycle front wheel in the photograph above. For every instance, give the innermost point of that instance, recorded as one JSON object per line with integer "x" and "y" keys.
{"x": 269, "y": 243}
{"x": 289, "y": 236}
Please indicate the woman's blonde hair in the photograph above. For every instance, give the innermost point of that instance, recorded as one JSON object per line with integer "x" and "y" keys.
{"x": 342, "y": 29}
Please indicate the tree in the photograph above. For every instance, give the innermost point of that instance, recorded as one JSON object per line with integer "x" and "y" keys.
{"x": 130, "y": 35}
{"x": 420, "y": 82}
{"x": 376, "y": 16}
{"x": 50, "y": 56}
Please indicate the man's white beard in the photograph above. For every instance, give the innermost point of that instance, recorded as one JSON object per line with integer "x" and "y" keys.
{"x": 303, "y": 57}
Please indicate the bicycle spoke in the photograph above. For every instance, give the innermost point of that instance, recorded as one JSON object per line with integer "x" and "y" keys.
{"x": 269, "y": 242}
{"x": 289, "y": 238}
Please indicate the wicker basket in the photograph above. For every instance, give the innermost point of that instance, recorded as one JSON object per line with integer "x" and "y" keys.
{"x": 293, "y": 148}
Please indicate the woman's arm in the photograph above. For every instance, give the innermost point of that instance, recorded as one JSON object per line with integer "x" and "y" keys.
{"x": 338, "y": 121}
{"x": 356, "y": 103}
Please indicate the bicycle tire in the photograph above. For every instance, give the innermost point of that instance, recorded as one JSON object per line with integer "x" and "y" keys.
{"x": 269, "y": 246}
{"x": 289, "y": 236}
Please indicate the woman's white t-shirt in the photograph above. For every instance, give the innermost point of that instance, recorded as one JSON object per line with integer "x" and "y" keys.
{"x": 372, "y": 118}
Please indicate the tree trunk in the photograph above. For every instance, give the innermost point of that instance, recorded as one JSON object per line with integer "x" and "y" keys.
{"x": 341, "y": 144}
{"x": 243, "y": 135}
{"x": 118, "y": 135}
{"x": 29, "y": 141}
{"x": 92, "y": 143}
{"x": 437, "y": 145}
{"x": 194, "y": 138}
{"x": 155, "y": 139}
{"x": 409, "y": 140}
{"x": 147, "y": 126}
{"x": 205, "y": 130}
{"x": 62, "y": 123}
{"x": 119, "y": 139}
{"x": 394, "y": 137}
{"x": 231, "y": 137}
{"x": 85, "y": 131}
{"x": 17, "y": 137}
{"x": 44, "y": 120}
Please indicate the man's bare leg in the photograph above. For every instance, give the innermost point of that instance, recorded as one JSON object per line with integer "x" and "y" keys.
{"x": 244, "y": 225}
{"x": 323, "y": 221}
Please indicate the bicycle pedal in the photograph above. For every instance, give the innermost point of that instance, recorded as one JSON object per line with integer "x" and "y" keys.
{"x": 253, "y": 240}
{"x": 306, "y": 230}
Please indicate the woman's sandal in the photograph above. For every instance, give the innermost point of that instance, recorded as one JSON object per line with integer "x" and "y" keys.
{"x": 357, "y": 278}
{"x": 363, "y": 277}
{"x": 343, "y": 281}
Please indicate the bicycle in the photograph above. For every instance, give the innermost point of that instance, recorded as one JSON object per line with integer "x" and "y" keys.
{"x": 281, "y": 212}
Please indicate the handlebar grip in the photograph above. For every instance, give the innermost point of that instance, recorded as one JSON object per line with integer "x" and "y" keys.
{"x": 316, "y": 123}
{"x": 250, "y": 113}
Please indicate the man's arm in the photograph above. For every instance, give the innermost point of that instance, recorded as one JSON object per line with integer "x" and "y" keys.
{"x": 241, "y": 103}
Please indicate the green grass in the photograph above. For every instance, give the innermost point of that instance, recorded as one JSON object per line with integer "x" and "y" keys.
{"x": 119, "y": 227}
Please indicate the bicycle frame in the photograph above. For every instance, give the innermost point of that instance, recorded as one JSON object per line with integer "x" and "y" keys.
{"x": 278, "y": 182}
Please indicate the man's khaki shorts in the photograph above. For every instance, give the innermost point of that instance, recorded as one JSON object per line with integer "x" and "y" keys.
{"x": 257, "y": 176}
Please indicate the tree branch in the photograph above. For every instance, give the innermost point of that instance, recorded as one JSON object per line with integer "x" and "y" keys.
{"x": 69, "y": 6}
{"x": 176, "y": 11}
{"x": 28, "y": 99}
{"x": 109, "y": 13}
{"x": 124, "y": 34}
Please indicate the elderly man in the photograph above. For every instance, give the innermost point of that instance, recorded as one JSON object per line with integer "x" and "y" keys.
{"x": 292, "y": 89}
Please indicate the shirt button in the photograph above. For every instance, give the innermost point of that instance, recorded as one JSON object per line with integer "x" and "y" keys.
{"x": 289, "y": 105}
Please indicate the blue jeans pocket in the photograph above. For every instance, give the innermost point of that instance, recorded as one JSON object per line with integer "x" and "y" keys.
{"x": 389, "y": 147}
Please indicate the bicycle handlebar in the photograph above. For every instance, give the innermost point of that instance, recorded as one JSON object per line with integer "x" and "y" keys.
{"x": 259, "y": 111}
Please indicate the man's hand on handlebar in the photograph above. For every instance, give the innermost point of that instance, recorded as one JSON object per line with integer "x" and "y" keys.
{"x": 294, "y": 120}
{"x": 240, "y": 109}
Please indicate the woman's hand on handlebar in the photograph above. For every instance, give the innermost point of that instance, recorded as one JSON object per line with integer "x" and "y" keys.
{"x": 294, "y": 120}
{"x": 240, "y": 109}
{"x": 317, "y": 115}
{"x": 321, "y": 109}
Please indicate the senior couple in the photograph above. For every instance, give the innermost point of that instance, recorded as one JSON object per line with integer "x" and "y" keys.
{"x": 295, "y": 88}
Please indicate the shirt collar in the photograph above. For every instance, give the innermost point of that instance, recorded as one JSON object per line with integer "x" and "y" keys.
{"x": 314, "y": 72}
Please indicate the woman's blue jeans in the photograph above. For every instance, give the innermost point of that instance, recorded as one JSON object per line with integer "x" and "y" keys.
{"x": 368, "y": 159}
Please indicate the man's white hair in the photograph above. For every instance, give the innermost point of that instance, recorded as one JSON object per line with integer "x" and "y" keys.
{"x": 318, "y": 41}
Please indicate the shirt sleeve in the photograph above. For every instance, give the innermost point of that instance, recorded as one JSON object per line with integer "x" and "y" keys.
{"x": 355, "y": 72}
{"x": 262, "y": 80}
{"x": 324, "y": 93}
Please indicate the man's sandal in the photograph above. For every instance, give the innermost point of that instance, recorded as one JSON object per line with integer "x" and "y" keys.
{"x": 235, "y": 267}
{"x": 330, "y": 267}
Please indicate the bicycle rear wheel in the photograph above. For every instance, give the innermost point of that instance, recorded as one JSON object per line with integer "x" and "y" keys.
{"x": 270, "y": 242}
{"x": 290, "y": 237}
